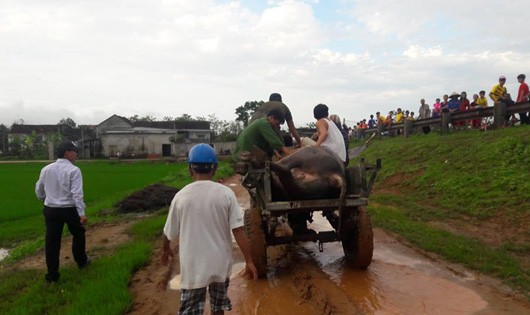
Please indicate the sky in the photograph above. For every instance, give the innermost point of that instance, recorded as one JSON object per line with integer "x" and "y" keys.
{"x": 88, "y": 60}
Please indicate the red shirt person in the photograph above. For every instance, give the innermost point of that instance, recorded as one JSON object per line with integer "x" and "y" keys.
{"x": 523, "y": 96}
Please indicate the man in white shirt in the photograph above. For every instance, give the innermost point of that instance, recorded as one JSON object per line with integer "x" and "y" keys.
{"x": 60, "y": 187}
{"x": 201, "y": 217}
{"x": 328, "y": 134}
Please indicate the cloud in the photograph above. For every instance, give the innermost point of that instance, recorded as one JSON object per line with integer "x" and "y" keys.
{"x": 92, "y": 59}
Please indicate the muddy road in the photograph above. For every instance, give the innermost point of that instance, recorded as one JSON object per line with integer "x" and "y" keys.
{"x": 303, "y": 280}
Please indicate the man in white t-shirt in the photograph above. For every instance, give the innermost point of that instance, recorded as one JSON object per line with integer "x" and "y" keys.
{"x": 328, "y": 134}
{"x": 201, "y": 216}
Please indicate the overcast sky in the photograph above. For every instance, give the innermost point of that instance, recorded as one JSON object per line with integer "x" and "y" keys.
{"x": 88, "y": 60}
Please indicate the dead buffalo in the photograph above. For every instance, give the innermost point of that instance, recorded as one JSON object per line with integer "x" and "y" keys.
{"x": 309, "y": 173}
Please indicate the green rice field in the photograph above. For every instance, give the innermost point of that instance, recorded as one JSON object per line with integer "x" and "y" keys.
{"x": 105, "y": 182}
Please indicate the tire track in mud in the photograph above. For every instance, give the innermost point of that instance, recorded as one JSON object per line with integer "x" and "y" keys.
{"x": 315, "y": 287}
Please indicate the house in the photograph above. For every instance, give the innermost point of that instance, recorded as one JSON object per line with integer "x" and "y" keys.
{"x": 121, "y": 137}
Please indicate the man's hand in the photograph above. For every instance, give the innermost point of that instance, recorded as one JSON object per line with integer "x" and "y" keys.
{"x": 166, "y": 251}
{"x": 83, "y": 219}
{"x": 165, "y": 256}
{"x": 250, "y": 271}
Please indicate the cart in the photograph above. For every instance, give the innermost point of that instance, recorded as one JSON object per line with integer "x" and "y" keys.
{"x": 350, "y": 221}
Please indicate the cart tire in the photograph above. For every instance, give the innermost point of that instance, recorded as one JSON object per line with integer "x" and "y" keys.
{"x": 256, "y": 240}
{"x": 358, "y": 242}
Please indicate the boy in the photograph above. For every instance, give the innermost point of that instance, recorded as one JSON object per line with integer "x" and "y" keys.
{"x": 200, "y": 217}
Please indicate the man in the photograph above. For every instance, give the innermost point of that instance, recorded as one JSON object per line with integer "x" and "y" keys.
{"x": 424, "y": 112}
{"x": 475, "y": 123}
{"x": 60, "y": 187}
{"x": 336, "y": 120}
{"x": 328, "y": 134}
{"x": 522, "y": 96}
{"x": 482, "y": 101}
{"x": 275, "y": 102}
{"x": 200, "y": 217}
{"x": 380, "y": 119}
{"x": 262, "y": 134}
{"x": 499, "y": 93}
{"x": 454, "y": 104}
{"x": 371, "y": 122}
{"x": 445, "y": 102}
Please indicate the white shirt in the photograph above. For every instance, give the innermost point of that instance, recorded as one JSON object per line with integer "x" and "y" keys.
{"x": 202, "y": 216}
{"x": 335, "y": 140}
{"x": 60, "y": 185}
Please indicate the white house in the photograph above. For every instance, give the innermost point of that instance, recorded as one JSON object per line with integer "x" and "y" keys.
{"x": 121, "y": 137}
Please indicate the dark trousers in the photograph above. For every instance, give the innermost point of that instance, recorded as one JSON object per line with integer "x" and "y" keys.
{"x": 55, "y": 218}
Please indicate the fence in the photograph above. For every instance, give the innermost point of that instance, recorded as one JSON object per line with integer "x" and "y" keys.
{"x": 498, "y": 111}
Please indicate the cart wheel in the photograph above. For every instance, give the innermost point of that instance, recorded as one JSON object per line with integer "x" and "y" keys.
{"x": 358, "y": 242}
{"x": 256, "y": 240}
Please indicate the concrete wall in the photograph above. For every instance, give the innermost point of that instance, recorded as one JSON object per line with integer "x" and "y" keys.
{"x": 141, "y": 145}
{"x": 134, "y": 144}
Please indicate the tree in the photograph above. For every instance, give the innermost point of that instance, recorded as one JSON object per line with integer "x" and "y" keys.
{"x": 137, "y": 118}
{"x": 244, "y": 112}
{"x": 16, "y": 145}
{"x": 67, "y": 121}
{"x": 3, "y": 138}
{"x": 222, "y": 130}
{"x": 185, "y": 117}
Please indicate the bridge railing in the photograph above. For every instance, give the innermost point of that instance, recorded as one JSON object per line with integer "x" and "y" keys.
{"x": 499, "y": 111}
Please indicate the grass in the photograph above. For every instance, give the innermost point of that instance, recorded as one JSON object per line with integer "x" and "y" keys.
{"x": 472, "y": 173}
{"x": 104, "y": 183}
{"x": 468, "y": 176}
{"x": 470, "y": 252}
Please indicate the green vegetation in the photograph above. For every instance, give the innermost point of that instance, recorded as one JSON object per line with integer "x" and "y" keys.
{"x": 102, "y": 288}
{"x": 473, "y": 183}
{"x": 104, "y": 184}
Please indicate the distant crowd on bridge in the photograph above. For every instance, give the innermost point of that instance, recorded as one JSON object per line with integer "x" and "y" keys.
{"x": 455, "y": 102}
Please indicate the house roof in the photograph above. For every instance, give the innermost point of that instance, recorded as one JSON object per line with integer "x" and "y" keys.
{"x": 178, "y": 124}
{"x": 120, "y": 117}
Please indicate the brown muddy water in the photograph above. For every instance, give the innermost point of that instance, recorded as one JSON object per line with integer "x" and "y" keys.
{"x": 400, "y": 280}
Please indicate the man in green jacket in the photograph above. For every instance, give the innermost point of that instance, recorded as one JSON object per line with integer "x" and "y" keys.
{"x": 262, "y": 134}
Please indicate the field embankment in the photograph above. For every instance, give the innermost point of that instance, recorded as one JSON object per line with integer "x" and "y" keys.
{"x": 464, "y": 196}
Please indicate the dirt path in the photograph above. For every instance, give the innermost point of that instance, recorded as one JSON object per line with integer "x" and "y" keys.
{"x": 102, "y": 239}
{"x": 302, "y": 280}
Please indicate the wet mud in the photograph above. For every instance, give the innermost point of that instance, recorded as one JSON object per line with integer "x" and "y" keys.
{"x": 303, "y": 280}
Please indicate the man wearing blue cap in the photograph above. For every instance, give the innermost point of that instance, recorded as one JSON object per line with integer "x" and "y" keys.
{"x": 201, "y": 217}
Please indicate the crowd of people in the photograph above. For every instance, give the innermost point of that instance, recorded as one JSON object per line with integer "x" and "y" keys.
{"x": 455, "y": 102}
